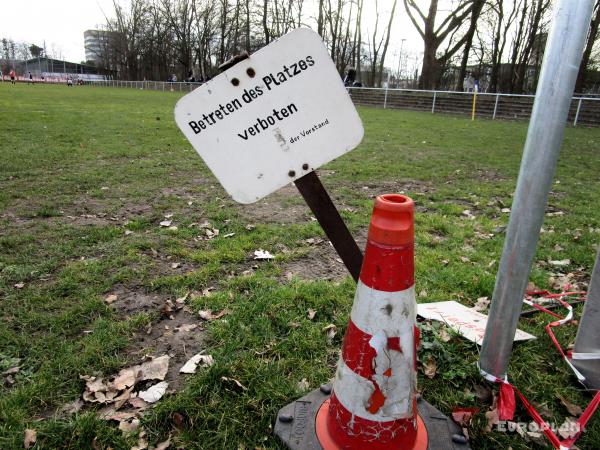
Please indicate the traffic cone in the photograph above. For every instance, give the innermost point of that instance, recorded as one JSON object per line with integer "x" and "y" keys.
{"x": 373, "y": 404}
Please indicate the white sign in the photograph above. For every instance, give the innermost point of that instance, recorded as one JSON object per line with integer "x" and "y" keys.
{"x": 271, "y": 118}
{"x": 465, "y": 321}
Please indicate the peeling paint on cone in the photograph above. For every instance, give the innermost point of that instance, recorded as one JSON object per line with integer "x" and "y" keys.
{"x": 373, "y": 402}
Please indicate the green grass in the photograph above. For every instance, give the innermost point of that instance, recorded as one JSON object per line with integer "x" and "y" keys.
{"x": 117, "y": 156}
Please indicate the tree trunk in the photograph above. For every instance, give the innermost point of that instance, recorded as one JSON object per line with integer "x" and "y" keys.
{"x": 593, "y": 33}
{"x": 477, "y": 6}
{"x": 264, "y": 22}
{"x": 319, "y": 20}
{"x": 248, "y": 26}
{"x": 430, "y": 68}
{"x": 387, "y": 41}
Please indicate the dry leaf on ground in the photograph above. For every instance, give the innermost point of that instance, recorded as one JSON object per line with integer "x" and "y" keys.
{"x": 492, "y": 418}
{"x": 463, "y": 416}
{"x": 444, "y": 335}
{"x": 262, "y": 255}
{"x": 573, "y": 409}
{"x": 129, "y": 427}
{"x": 142, "y": 442}
{"x": 186, "y": 327}
{"x": 481, "y": 304}
{"x": 152, "y": 370}
{"x": 560, "y": 263}
{"x": 110, "y": 299}
{"x": 331, "y": 331}
{"x": 207, "y": 314}
{"x": 12, "y": 371}
{"x": 163, "y": 445}
{"x": 30, "y": 438}
{"x": 166, "y": 223}
{"x": 430, "y": 367}
{"x": 303, "y": 385}
{"x": 311, "y": 313}
{"x": 192, "y": 364}
{"x": 234, "y": 382}
{"x": 154, "y": 393}
{"x": 20, "y": 285}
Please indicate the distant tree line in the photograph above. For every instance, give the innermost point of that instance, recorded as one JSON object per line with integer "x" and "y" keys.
{"x": 500, "y": 43}
{"x": 153, "y": 39}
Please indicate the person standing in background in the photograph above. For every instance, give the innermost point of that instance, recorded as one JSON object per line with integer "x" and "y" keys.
{"x": 12, "y": 76}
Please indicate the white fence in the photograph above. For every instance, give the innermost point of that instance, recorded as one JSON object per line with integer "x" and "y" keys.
{"x": 584, "y": 110}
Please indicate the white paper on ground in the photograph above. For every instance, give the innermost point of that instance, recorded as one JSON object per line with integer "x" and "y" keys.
{"x": 465, "y": 321}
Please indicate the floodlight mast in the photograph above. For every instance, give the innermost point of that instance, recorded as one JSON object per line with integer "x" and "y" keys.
{"x": 562, "y": 57}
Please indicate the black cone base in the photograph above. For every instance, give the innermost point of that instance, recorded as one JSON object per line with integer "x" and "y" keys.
{"x": 295, "y": 424}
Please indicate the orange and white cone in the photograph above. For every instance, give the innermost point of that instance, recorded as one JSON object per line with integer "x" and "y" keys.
{"x": 373, "y": 404}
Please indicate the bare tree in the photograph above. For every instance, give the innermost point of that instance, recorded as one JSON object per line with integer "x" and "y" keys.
{"x": 435, "y": 35}
{"x": 591, "y": 40}
{"x": 387, "y": 41}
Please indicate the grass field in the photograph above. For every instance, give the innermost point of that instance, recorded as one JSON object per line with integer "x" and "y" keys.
{"x": 86, "y": 177}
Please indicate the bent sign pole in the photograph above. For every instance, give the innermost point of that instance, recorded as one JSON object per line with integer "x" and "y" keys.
{"x": 319, "y": 202}
{"x": 273, "y": 118}
{"x": 562, "y": 58}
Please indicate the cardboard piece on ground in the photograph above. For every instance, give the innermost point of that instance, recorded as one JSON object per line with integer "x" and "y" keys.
{"x": 465, "y": 321}
{"x": 272, "y": 118}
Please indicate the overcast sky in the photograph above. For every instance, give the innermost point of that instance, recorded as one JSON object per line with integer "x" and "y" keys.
{"x": 61, "y": 23}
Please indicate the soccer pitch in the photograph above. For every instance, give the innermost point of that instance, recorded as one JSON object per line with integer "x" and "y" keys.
{"x": 91, "y": 282}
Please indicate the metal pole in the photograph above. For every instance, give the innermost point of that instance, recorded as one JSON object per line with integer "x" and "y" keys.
{"x": 385, "y": 98}
{"x": 577, "y": 113}
{"x": 586, "y": 354}
{"x": 433, "y": 102}
{"x": 495, "y": 106}
{"x": 562, "y": 57}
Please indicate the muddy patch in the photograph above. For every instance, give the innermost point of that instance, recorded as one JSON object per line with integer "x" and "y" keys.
{"x": 321, "y": 262}
{"x": 489, "y": 175}
{"x": 284, "y": 206}
{"x": 180, "y": 335}
{"x": 407, "y": 187}
{"x": 175, "y": 330}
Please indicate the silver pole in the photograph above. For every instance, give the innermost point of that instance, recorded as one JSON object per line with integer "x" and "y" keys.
{"x": 433, "y": 103}
{"x": 385, "y": 98}
{"x": 562, "y": 58}
{"x": 577, "y": 113}
{"x": 586, "y": 354}
{"x": 495, "y": 106}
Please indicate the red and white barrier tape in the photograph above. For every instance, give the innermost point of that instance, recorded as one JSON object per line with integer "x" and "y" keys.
{"x": 506, "y": 400}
